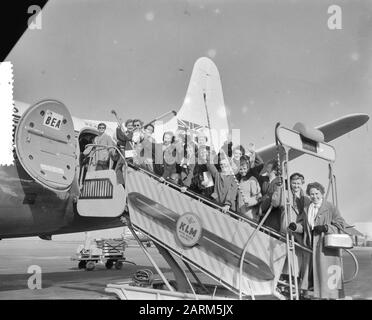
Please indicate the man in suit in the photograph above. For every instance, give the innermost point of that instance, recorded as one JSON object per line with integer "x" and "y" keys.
{"x": 299, "y": 202}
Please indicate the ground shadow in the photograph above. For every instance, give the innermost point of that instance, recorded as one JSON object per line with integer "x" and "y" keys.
{"x": 82, "y": 278}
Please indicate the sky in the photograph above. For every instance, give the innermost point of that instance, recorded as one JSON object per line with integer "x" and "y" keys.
{"x": 278, "y": 62}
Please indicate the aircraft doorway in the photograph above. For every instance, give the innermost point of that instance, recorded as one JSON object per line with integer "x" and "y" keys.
{"x": 86, "y": 137}
{"x": 101, "y": 193}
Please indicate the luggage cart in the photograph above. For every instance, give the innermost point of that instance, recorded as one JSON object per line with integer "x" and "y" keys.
{"x": 109, "y": 252}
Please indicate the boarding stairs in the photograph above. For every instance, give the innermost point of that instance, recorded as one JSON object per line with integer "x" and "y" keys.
{"x": 242, "y": 255}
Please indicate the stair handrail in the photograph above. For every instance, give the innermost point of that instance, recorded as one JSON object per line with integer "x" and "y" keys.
{"x": 205, "y": 200}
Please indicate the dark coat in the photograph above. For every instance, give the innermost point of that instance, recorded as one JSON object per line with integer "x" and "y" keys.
{"x": 296, "y": 213}
{"x": 197, "y": 178}
{"x": 274, "y": 218}
{"x": 225, "y": 187}
{"x": 124, "y": 139}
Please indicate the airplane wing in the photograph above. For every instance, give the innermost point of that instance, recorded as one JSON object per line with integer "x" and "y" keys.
{"x": 17, "y": 25}
{"x": 331, "y": 130}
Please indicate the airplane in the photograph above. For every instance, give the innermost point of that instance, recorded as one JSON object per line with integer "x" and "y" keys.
{"x": 40, "y": 193}
{"x": 44, "y": 199}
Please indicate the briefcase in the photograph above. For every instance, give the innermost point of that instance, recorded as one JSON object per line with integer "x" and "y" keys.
{"x": 338, "y": 241}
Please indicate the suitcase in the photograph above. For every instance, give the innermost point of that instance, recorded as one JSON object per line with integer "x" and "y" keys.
{"x": 338, "y": 241}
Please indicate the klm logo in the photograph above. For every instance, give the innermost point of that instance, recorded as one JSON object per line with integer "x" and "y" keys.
{"x": 187, "y": 229}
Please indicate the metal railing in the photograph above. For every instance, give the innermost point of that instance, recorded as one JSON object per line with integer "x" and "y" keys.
{"x": 213, "y": 204}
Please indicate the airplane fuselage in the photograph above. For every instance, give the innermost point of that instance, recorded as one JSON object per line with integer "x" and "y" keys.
{"x": 28, "y": 209}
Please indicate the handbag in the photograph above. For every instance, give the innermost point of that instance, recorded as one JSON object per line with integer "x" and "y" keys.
{"x": 338, "y": 241}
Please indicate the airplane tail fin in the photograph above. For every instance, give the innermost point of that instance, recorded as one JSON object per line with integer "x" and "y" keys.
{"x": 203, "y": 108}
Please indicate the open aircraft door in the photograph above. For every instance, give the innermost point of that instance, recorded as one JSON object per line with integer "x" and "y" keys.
{"x": 101, "y": 195}
{"x": 45, "y": 145}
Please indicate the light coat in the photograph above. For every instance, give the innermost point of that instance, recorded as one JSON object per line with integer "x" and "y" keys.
{"x": 100, "y": 154}
{"x": 145, "y": 154}
{"x": 323, "y": 267}
{"x": 248, "y": 197}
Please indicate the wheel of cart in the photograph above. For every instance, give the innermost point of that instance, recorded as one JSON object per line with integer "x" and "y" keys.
{"x": 109, "y": 264}
{"x": 82, "y": 264}
{"x": 118, "y": 264}
{"x": 90, "y": 265}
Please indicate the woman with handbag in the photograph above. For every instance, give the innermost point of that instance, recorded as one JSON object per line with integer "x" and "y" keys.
{"x": 322, "y": 269}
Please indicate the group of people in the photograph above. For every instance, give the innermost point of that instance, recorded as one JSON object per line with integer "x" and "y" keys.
{"x": 239, "y": 181}
{"x": 230, "y": 177}
{"x": 310, "y": 218}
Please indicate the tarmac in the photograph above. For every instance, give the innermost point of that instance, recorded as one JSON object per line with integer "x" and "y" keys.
{"x": 62, "y": 279}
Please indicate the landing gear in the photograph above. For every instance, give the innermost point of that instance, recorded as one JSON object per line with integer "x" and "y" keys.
{"x": 82, "y": 264}
{"x": 118, "y": 265}
{"x": 109, "y": 264}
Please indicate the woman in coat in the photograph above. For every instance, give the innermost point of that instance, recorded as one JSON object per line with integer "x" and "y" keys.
{"x": 225, "y": 186}
{"x": 323, "y": 269}
{"x": 249, "y": 194}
